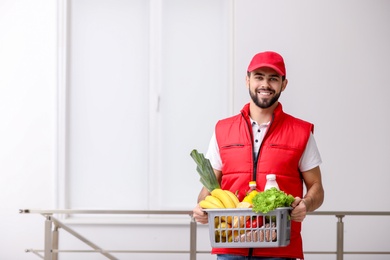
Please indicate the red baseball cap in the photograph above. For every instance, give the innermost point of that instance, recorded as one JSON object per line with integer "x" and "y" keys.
{"x": 268, "y": 59}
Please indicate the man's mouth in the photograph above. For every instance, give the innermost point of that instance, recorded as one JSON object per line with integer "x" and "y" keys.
{"x": 265, "y": 92}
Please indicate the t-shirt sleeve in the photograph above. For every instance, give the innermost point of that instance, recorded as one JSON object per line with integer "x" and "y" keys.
{"x": 311, "y": 157}
{"x": 213, "y": 154}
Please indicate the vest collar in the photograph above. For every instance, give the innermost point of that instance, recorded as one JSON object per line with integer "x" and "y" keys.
{"x": 277, "y": 112}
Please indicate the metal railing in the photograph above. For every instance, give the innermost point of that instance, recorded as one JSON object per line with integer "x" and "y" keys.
{"x": 340, "y": 232}
{"x": 52, "y": 225}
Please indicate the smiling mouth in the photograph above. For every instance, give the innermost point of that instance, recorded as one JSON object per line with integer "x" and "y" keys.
{"x": 264, "y": 92}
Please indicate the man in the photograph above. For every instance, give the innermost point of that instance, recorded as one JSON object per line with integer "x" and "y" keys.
{"x": 262, "y": 139}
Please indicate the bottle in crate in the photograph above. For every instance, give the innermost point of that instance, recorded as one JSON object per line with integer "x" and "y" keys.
{"x": 252, "y": 186}
{"x": 271, "y": 182}
{"x": 251, "y": 193}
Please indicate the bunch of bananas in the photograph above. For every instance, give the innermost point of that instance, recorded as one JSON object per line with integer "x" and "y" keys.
{"x": 220, "y": 199}
{"x": 223, "y": 232}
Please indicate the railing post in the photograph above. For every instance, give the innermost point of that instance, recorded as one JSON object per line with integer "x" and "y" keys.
{"x": 55, "y": 242}
{"x": 192, "y": 239}
{"x": 340, "y": 237}
{"x": 48, "y": 238}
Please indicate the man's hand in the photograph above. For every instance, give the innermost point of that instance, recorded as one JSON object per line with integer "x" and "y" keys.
{"x": 199, "y": 215}
{"x": 299, "y": 210}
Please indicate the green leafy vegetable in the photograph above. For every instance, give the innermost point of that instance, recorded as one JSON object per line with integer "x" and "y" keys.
{"x": 205, "y": 170}
{"x": 271, "y": 199}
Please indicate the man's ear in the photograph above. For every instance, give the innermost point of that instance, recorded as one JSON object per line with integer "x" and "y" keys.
{"x": 247, "y": 81}
{"x": 284, "y": 84}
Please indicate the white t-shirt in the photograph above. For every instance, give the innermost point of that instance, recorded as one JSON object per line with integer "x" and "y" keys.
{"x": 310, "y": 159}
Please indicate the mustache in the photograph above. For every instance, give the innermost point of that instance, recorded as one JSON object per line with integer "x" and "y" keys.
{"x": 265, "y": 89}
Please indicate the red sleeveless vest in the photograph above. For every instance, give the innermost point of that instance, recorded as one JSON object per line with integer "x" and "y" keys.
{"x": 280, "y": 152}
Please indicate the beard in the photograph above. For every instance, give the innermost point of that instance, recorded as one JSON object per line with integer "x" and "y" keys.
{"x": 264, "y": 102}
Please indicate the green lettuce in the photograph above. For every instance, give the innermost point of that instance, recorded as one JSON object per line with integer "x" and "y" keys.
{"x": 271, "y": 199}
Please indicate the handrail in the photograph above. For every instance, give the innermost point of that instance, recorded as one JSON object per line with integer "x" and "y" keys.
{"x": 52, "y": 225}
{"x": 340, "y": 231}
{"x": 350, "y": 213}
{"x": 103, "y": 211}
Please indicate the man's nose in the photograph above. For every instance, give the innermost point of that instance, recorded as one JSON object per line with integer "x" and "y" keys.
{"x": 264, "y": 83}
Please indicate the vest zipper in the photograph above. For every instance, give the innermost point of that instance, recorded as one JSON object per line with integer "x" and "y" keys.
{"x": 256, "y": 158}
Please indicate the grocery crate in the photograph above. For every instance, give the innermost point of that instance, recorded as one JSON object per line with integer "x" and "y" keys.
{"x": 241, "y": 227}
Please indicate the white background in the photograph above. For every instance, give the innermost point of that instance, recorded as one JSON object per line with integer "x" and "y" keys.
{"x": 145, "y": 83}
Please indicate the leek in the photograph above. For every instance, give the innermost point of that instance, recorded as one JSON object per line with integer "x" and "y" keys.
{"x": 205, "y": 170}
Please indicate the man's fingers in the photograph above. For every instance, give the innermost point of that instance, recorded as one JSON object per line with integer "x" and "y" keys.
{"x": 296, "y": 202}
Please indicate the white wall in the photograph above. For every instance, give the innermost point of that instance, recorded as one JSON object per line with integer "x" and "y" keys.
{"x": 337, "y": 62}
{"x": 27, "y": 113}
{"x": 136, "y": 106}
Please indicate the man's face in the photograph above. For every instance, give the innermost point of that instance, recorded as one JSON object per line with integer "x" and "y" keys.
{"x": 265, "y": 86}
